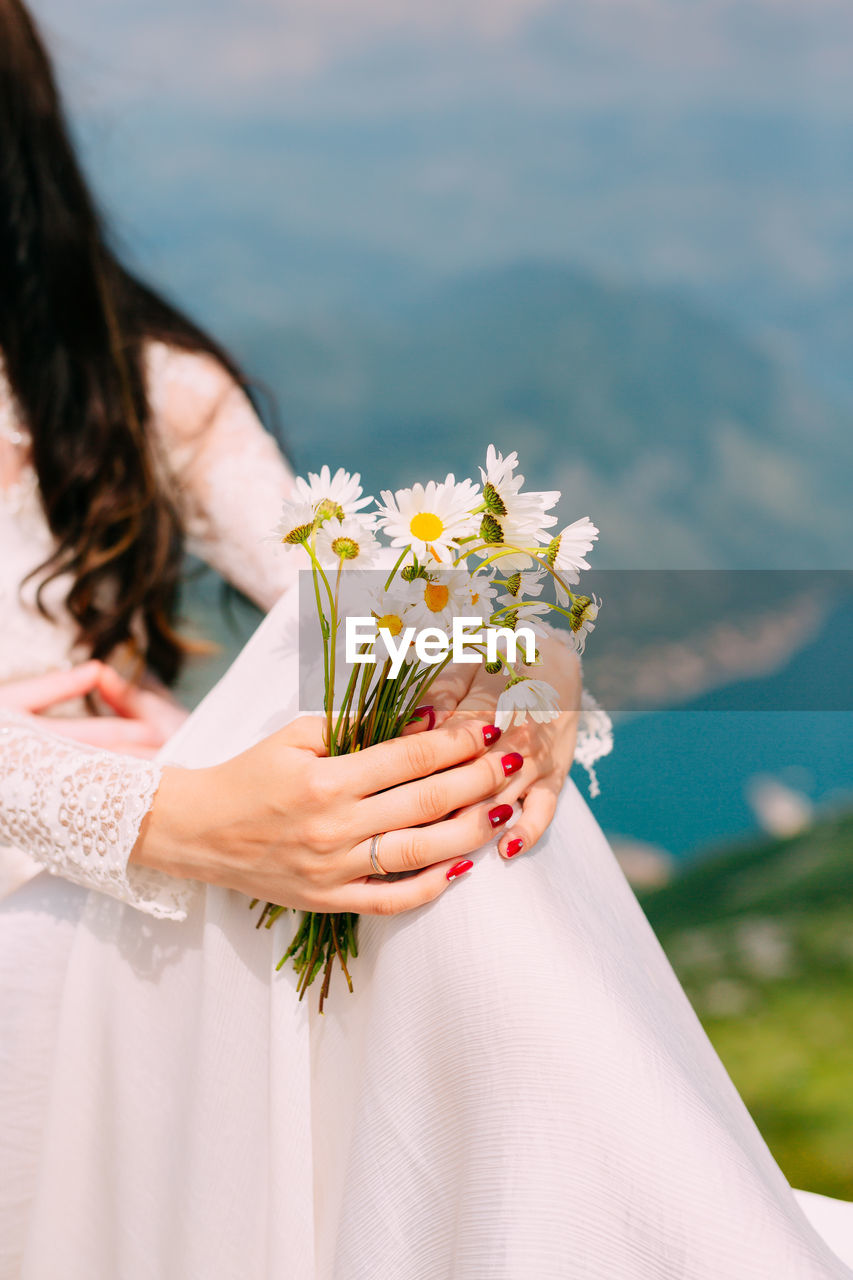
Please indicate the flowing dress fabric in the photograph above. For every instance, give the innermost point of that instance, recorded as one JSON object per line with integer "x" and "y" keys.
{"x": 517, "y": 1088}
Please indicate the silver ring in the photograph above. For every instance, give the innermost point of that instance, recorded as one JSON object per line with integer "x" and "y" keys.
{"x": 374, "y": 861}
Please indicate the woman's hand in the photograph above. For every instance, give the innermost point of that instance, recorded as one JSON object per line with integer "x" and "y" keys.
{"x": 143, "y": 717}
{"x": 285, "y": 823}
{"x": 544, "y": 751}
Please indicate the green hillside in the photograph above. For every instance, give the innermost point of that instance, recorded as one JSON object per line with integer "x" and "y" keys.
{"x": 689, "y": 445}
{"x": 761, "y": 937}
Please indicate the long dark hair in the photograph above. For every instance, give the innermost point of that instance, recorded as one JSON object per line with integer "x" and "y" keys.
{"x": 73, "y": 323}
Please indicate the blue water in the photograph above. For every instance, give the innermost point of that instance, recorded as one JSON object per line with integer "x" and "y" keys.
{"x": 677, "y": 778}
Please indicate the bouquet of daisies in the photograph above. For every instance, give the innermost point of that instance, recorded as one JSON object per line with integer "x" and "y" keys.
{"x": 472, "y": 562}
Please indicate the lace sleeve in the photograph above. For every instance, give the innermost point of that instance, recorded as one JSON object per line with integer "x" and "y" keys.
{"x": 595, "y": 738}
{"x": 77, "y": 810}
{"x": 595, "y": 728}
{"x": 228, "y": 473}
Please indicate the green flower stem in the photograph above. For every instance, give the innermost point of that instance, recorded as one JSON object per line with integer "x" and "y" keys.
{"x": 338, "y": 952}
{"x": 366, "y": 680}
{"x": 369, "y": 734}
{"x": 506, "y": 549}
{"x": 559, "y": 609}
{"x": 379, "y": 727}
{"x": 346, "y": 710}
{"x": 393, "y": 572}
{"x": 324, "y": 625}
{"x": 410, "y": 674}
{"x": 317, "y": 569}
{"x": 330, "y": 693}
{"x": 424, "y": 687}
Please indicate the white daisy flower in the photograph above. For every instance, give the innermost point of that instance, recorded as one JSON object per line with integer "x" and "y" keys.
{"x": 439, "y": 599}
{"x": 333, "y": 495}
{"x": 518, "y": 603}
{"x": 481, "y": 596}
{"x": 350, "y": 542}
{"x": 512, "y": 517}
{"x": 392, "y": 609}
{"x": 524, "y": 697}
{"x": 521, "y": 587}
{"x": 432, "y": 518}
{"x": 388, "y": 610}
{"x": 393, "y": 613}
{"x": 296, "y": 522}
{"x": 566, "y": 552}
{"x": 527, "y": 613}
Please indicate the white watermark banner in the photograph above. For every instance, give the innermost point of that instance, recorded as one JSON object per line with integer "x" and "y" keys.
{"x": 699, "y": 638}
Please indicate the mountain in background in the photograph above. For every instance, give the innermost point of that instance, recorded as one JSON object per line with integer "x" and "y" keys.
{"x": 760, "y": 937}
{"x": 689, "y": 446}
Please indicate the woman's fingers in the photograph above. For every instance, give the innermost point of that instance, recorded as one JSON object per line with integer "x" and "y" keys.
{"x": 41, "y": 692}
{"x": 123, "y": 697}
{"x": 156, "y": 706}
{"x": 116, "y": 692}
{"x": 416, "y": 847}
{"x": 388, "y": 764}
{"x": 142, "y": 722}
{"x": 537, "y": 813}
{"x": 414, "y": 803}
{"x": 389, "y": 898}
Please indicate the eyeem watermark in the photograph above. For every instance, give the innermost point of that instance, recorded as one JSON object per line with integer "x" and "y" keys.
{"x": 432, "y": 645}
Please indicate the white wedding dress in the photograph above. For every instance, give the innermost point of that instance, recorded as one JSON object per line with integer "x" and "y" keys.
{"x": 518, "y": 1088}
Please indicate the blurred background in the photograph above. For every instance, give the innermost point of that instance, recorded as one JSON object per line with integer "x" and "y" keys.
{"x": 618, "y": 236}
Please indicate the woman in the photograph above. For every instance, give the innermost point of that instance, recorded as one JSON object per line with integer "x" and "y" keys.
{"x": 125, "y": 426}
{"x": 517, "y": 1087}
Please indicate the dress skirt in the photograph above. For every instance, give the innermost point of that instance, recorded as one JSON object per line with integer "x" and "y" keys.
{"x": 517, "y": 1089}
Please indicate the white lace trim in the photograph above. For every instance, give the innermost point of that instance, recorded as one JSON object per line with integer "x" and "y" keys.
{"x": 595, "y": 738}
{"x": 77, "y": 810}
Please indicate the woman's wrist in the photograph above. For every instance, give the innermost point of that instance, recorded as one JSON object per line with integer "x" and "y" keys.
{"x": 168, "y": 834}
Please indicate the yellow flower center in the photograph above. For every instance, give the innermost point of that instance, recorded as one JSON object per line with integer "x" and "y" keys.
{"x": 426, "y": 526}
{"x": 390, "y": 622}
{"x": 436, "y": 596}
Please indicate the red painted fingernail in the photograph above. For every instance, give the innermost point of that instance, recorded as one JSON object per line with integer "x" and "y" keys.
{"x": 460, "y": 868}
{"x": 500, "y": 814}
{"x": 511, "y": 763}
{"x": 491, "y": 733}
{"x": 514, "y": 847}
{"x": 425, "y": 713}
